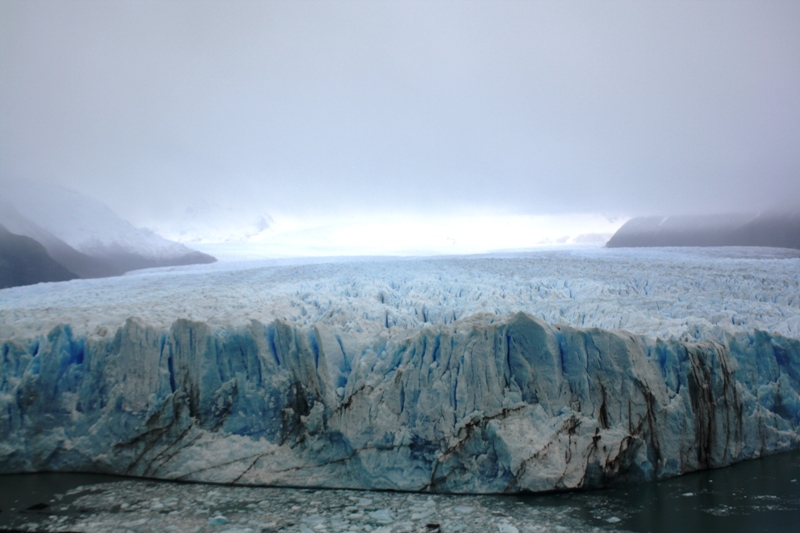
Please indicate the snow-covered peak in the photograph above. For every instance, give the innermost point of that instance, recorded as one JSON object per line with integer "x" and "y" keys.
{"x": 210, "y": 222}
{"x": 85, "y": 223}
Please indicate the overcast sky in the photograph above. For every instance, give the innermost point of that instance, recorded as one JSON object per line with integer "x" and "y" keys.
{"x": 332, "y": 108}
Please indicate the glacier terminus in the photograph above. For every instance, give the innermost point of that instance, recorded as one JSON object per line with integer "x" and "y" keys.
{"x": 489, "y": 374}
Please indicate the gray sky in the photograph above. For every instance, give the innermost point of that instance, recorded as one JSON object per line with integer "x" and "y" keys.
{"x": 304, "y": 108}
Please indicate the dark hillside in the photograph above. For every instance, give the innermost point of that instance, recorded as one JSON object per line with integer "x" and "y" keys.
{"x": 80, "y": 263}
{"x": 770, "y": 230}
{"x": 23, "y": 261}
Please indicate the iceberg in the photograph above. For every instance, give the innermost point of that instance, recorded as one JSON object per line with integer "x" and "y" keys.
{"x": 481, "y": 399}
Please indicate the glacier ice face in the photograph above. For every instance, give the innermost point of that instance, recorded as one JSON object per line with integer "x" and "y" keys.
{"x": 479, "y": 405}
{"x": 415, "y": 375}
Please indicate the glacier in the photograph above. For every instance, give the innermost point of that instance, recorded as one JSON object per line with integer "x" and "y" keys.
{"x": 531, "y": 372}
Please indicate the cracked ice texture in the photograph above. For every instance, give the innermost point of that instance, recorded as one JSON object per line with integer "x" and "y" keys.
{"x": 461, "y": 375}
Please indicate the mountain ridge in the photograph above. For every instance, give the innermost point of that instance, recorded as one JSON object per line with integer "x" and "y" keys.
{"x": 83, "y": 235}
{"x": 24, "y": 261}
{"x": 776, "y": 230}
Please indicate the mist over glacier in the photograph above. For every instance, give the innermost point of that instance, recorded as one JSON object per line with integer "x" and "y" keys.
{"x": 405, "y": 234}
{"x": 84, "y": 235}
{"x": 543, "y": 108}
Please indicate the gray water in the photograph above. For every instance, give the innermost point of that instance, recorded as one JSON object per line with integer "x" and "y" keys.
{"x": 761, "y": 495}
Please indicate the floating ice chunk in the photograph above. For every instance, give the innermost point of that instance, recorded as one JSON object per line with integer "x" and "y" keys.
{"x": 217, "y": 520}
{"x": 423, "y": 514}
{"x": 313, "y": 520}
{"x": 382, "y": 516}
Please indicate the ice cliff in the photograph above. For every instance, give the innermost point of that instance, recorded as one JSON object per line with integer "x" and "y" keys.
{"x": 485, "y": 403}
{"x": 475, "y": 374}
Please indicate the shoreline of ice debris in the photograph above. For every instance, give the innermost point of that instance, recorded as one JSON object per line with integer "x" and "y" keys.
{"x": 764, "y": 493}
{"x": 139, "y": 505}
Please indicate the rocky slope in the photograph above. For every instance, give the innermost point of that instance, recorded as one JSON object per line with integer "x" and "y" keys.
{"x": 23, "y": 261}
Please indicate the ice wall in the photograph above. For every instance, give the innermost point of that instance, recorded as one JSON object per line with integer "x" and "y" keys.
{"x": 486, "y": 403}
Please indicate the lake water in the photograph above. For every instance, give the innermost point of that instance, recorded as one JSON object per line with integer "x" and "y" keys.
{"x": 761, "y": 495}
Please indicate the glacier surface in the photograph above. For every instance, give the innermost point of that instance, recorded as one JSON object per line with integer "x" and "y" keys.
{"x": 528, "y": 372}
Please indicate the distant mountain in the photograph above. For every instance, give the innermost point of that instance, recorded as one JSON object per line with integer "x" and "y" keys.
{"x": 23, "y": 261}
{"x": 208, "y": 222}
{"x": 82, "y": 264}
{"x": 778, "y": 230}
{"x": 587, "y": 238}
{"x": 85, "y": 234}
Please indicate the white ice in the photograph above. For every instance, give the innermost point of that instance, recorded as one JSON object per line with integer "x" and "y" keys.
{"x": 541, "y": 371}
